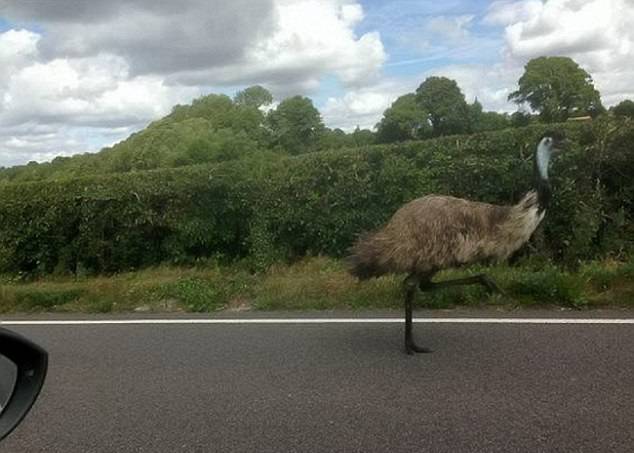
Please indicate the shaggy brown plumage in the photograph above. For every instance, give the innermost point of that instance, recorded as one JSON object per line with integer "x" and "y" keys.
{"x": 437, "y": 232}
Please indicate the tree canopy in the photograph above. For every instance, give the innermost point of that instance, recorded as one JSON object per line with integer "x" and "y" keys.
{"x": 481, "y": 121}
{"x": 624, "y": 108}
{"x": 405, "y": 119}
{"x": 442, "y": 99}
{"x": 254, "y": 96}
{"x": 557, "y": 88}
{"x": 295, "y": 125}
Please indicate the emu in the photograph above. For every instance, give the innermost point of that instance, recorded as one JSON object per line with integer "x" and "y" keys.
{"x": 437, "y": 232}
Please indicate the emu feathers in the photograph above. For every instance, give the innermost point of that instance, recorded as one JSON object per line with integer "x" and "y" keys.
{"x": 437, "y": 232}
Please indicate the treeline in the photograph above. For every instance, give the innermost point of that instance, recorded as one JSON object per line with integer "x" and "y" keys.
{"x": 216, "y": 128}
{"x": 264, "y": 210}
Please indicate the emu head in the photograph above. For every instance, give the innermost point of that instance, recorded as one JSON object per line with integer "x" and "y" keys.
{"x": 551, "y": 143}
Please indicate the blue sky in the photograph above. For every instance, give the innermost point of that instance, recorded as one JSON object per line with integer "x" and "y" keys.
{"x": 414, "y": 47}
{"x": 77, "y": 76}
{"x": 400, "y": 26}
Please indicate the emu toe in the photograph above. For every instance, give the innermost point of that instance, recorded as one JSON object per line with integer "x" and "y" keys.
{"x": 411, "y": 348}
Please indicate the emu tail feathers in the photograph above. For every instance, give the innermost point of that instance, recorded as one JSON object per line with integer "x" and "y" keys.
{"x": 364, "y": 261}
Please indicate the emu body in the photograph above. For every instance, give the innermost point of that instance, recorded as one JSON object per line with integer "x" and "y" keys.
{"x": 437, "y": 232}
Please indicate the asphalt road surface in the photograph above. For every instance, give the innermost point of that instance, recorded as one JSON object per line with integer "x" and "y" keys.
{"x": 340, "y": 387}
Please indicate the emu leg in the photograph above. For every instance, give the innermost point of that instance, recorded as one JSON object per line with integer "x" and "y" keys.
{"x": 480, "y": 279}
{"x": 410, "y": 284}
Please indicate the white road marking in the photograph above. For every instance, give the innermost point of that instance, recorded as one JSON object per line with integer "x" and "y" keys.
{"x": 66, "y": 322}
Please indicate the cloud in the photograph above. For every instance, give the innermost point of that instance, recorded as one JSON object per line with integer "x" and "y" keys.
{"x": 154, "y": 37}
{"x": 507, "y": 12}
{"x": 92, "y": 91}
{"x": 17, "y": 48}
{"x": 490, "y": 84}
{"x": 33, "y": 142}
{"x": 597, "y": 34}
{"x": 310, "y": 39}
{"x": 212, "y": 43}
{"x": 70, "y": 105}
{"x": 364, "y": 107}
{"x": 440, "y": 39}
{"x": 77, "y": 75}
{"x": 100, "y": 66}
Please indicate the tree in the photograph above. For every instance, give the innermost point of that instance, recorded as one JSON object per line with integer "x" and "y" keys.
{"x": 254, "y": 96}
{"x": 295, "y": 125}
{"x": 362, "y": 137}
{"x": 333, "y": 139}
{"x": 520, "y": 119}
{"x": 486, "y": 121}
{"x": 557, "y": 88}
{"x": 216, "y": 146}
{"x": 337, "y": 138}
{"x": 448, "y": 110}
{"x": 624, "y": 108}
{"x": 405, "y": 119}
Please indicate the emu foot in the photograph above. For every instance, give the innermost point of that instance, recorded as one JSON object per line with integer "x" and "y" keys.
{"x": 411, "y": 348}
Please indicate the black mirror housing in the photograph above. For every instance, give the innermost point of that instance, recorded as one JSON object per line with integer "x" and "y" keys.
{"x": 31, "y": 362}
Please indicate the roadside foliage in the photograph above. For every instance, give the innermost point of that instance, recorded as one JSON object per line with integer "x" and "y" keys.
{"x": 266, "y": 208}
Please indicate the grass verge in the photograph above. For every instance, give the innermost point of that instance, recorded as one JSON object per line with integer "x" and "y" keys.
{"x": 313, "y": 283}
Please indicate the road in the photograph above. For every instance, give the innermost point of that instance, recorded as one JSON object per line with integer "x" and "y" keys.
{"x": 327, "y": 386}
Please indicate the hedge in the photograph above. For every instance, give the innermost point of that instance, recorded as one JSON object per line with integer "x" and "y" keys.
{"x": 270, "y": 209}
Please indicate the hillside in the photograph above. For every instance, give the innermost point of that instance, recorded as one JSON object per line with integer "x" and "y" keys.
{"x": 214, "y": 128}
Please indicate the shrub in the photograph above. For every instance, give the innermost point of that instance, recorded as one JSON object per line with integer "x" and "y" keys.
{"x": 267, "y": 209}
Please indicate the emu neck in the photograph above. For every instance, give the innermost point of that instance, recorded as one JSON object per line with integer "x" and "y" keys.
{"x": 542, "y": 184}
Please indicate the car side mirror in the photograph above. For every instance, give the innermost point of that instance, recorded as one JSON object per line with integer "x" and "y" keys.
{"x": 23, "y": 366}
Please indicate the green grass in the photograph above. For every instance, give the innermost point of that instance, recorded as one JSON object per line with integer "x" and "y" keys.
{"x": 314, "y": 283}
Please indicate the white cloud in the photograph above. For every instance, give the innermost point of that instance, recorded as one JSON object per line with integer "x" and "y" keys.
{"x": 33, "y": 142}
{"x": 95, "y": 91}
{"x": 17, "y": 47}
{"x": 154, "y": 37}
{"x": 491, "y": 85}
{"x": 364, "y": 107}
{"x": 318, "y": 36}
{"x": 65, "y": 106}
{"x": 310, "y": 39}
{"x": 597, "y": 34}
{"x": 361, "y": 108}
{"x": 506, "y": 12}
{"x": 280, "y": 42}
{"x": 102, "y": 65}
{"x": 351, "y": 14}
{"x": 95, "y": 71}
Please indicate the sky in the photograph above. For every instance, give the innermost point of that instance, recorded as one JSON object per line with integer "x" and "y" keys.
{"x": 78, "y": 75}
